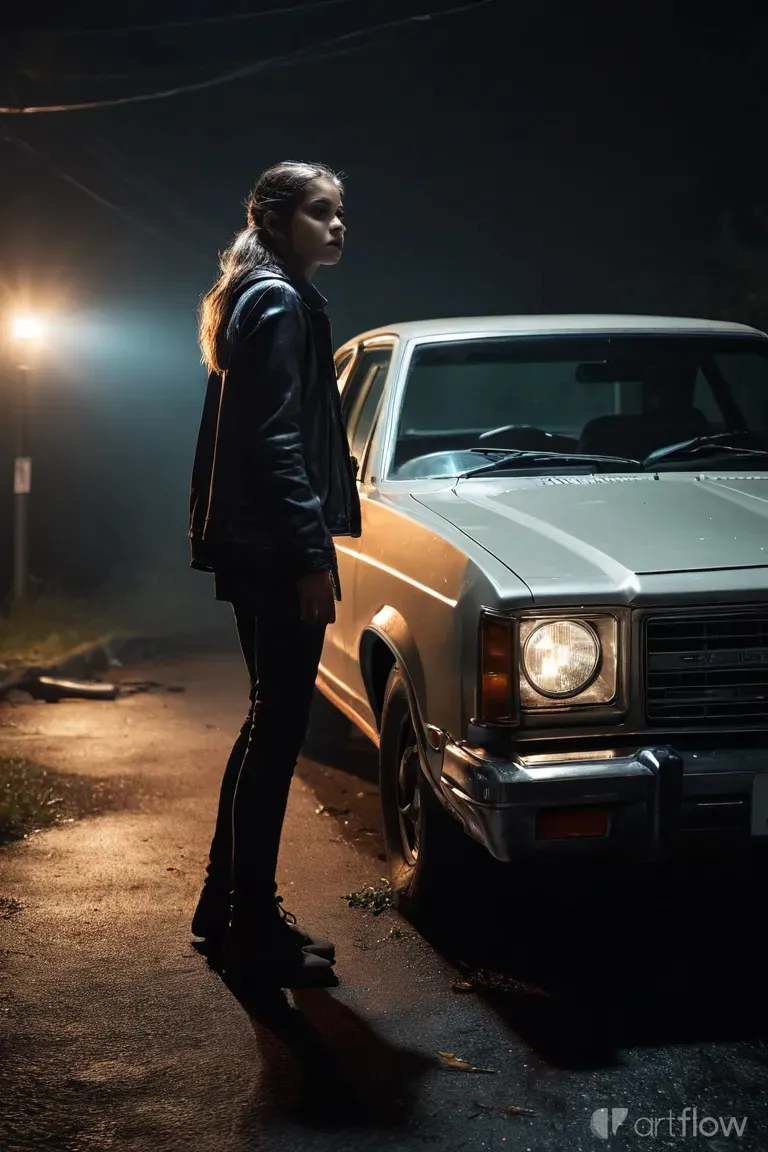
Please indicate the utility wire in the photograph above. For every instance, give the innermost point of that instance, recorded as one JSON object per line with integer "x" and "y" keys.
{"x": 200, "y": 21}
{"x": 24, "y": 146}
{"x": 102, "y": 77}
{"x": 314, "y": 51}
{"x": 121, "y": 167}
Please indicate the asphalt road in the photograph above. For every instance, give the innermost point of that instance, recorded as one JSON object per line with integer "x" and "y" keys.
{"x": 590, "y": 994}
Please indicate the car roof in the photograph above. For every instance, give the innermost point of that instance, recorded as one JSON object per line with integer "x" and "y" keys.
{"x": 552, "y": 325}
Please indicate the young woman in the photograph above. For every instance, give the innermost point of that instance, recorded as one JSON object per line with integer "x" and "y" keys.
{"x": 272, "y": 484}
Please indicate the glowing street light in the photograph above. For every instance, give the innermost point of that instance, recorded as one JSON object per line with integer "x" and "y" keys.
{"x": 27, "y": 328}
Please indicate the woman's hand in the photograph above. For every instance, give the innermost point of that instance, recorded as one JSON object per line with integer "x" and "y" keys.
{"x": 316, "y": 598}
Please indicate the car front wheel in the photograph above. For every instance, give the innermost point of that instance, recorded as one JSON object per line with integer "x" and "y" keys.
{"x": 428, "y": 852}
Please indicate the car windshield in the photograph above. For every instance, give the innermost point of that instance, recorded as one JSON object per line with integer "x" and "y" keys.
{"x": 612, "y": 395}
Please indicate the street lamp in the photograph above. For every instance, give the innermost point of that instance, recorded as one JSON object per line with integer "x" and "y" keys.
{"x": 27, "y": 332}
{"x": 27, "y": 328}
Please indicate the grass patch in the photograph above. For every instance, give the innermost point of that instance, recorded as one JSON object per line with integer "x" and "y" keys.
{"x": 399, "y": 934}
{"x": 372, "y": 899}
{"x": 164, "y": 600}
{"x": 51, "y": 627}
{"x": 9, "y": 907}
{"x": 33, "y": 797}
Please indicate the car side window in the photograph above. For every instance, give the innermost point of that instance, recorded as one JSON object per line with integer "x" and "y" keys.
{"x": 342, "y": 361}
{"x": 361, "y": 397}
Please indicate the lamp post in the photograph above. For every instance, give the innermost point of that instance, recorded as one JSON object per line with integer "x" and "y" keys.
{"x": 27, "y": 333}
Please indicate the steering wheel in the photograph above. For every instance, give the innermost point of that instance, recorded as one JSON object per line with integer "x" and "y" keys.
{"x": 536, "y": 437}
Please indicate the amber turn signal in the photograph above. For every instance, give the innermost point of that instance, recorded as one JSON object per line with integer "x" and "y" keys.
{"x": 496, "y": 670}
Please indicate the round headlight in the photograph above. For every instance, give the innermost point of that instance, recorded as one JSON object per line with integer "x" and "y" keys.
{"x": 561, "y": 658}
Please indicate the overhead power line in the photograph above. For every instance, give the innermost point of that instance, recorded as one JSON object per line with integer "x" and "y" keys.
{"x": 336, "y": 46}
{"x": 24, "y": 146}
{"x": 200, "y": 21}
{"x": 122, "y": 168}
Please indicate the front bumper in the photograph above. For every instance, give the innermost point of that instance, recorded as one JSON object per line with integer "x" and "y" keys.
{"x": 651, "y": 799}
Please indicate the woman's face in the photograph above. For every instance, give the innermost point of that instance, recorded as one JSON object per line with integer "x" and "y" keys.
{"x": 317, "y": 227}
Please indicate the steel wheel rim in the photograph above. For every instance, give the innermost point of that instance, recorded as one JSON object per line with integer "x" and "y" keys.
{"x": 409, "y": 805}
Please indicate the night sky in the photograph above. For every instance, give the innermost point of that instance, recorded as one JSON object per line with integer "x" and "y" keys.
{"x": 518, "y": 157}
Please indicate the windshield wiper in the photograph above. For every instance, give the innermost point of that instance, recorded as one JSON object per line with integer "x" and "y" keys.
{"x": 717, "y": 441}
{"x": 529, "y": 457}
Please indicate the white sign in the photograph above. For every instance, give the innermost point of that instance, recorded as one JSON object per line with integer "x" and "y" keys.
{"x": 22, "y": 475}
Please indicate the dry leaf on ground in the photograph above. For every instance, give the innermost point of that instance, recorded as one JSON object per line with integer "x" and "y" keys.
{"x": 450, "y": 1060}
{"x": 508, "y": 1110}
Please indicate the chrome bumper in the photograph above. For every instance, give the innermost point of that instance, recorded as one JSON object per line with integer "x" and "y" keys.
{"x": 654, "y": 796}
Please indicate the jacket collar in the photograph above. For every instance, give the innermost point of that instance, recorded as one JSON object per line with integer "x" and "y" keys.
{"x": 313, "y": 299}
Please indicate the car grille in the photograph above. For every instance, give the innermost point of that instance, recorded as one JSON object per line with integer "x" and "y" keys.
{"x": 714, "y": 813}
{"x": 710, "y": 669}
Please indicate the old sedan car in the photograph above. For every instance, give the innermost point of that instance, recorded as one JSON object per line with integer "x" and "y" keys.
{"x": 555, "y": 623}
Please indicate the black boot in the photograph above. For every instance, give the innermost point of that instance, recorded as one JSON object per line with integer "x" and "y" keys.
{"x": 212, "y": 917}
{"x": 309, "y": 943}
{"x": 258, "y": 953}
{"x": 212, "y": 913}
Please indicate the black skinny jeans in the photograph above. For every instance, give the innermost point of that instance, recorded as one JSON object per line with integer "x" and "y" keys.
{"x": 282, "y": 655}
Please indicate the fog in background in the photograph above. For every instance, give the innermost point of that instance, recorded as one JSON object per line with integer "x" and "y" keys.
{"x": 516, "y": 158}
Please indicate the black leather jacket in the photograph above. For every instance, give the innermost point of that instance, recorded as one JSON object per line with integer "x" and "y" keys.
{"x": 272, "y": 471}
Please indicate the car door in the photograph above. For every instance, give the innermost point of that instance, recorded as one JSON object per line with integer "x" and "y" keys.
{"x": 362, "y": 381}
{"x": 333, "y": 658}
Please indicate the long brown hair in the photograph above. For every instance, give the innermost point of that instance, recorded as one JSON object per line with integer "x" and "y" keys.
{"x": 278, "y": 190}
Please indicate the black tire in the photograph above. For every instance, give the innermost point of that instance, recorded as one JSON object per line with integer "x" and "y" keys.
{"x": 428, "y": 853}
{"x": 327, "y": 732}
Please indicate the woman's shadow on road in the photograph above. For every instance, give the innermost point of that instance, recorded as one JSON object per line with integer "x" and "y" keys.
{"x": 324, "y": 1067}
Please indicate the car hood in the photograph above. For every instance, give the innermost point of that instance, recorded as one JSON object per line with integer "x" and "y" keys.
{"x": 600, "y": 532}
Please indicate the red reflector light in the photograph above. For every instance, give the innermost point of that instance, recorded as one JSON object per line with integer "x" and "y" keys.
{"x": 434, "y": 737}
{"x": 564, "y": 823}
